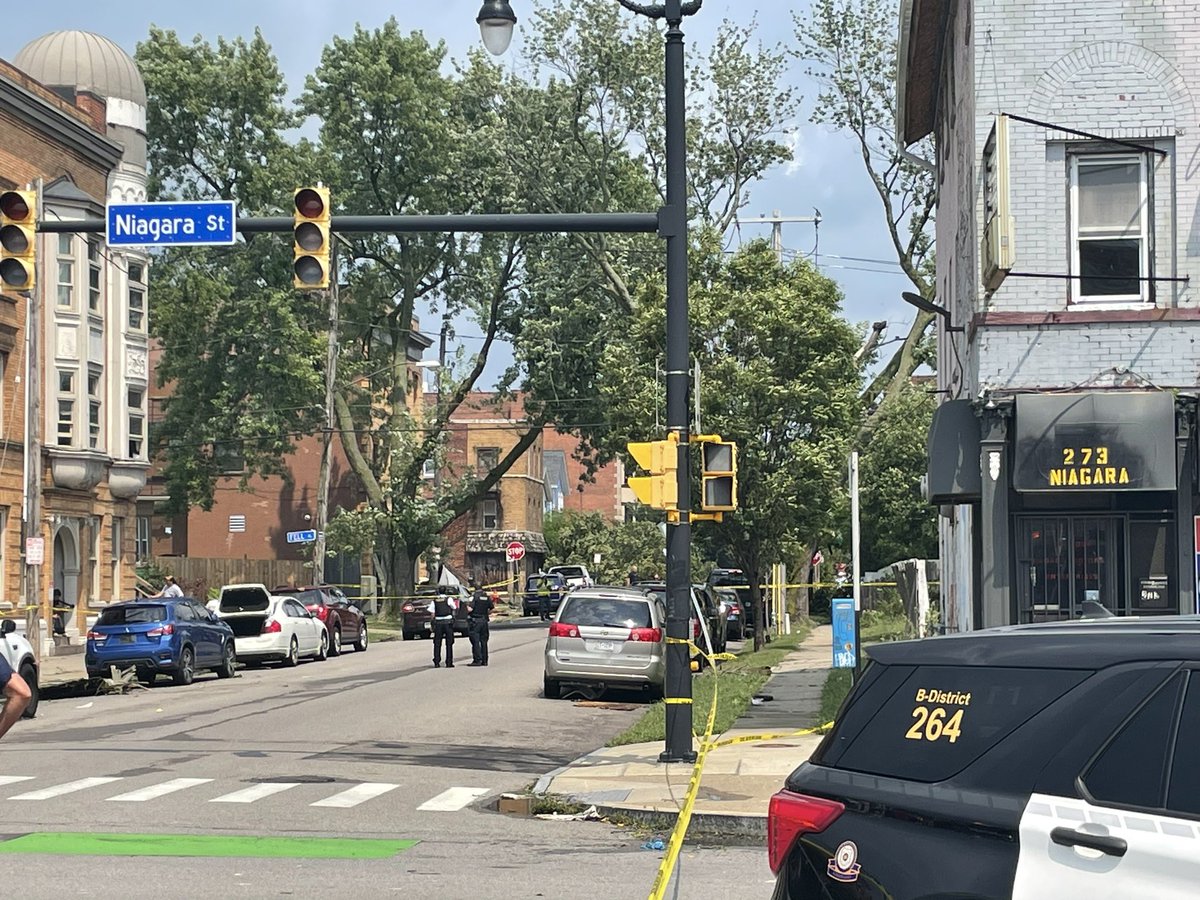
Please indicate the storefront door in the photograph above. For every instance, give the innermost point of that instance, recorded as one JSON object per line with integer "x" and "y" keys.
{"x": 1063, "y": 561}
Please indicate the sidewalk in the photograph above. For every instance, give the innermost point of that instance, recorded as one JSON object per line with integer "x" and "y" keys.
{"x": 58, "y": 670}
{"x": 738, "y": 780}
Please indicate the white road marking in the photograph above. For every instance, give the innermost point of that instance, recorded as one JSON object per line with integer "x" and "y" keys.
{"x": 452, "y": 799}
{"x": 360, "y": 793}
{"x": 69, "y": 788}
{"x": 256, "y": 792}
{"x": 160, "y": 790}
{"x": 13, "y": 779}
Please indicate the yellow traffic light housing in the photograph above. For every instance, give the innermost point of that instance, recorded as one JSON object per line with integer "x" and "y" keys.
{"x": 311, "y": 233}
{"x": 718, "y": 485}
{"x": 18, "y": 240}
{"x": 660, "y": 489}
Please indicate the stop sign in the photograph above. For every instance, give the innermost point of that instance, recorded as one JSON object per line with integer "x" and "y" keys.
{"x": 514, "y": 551}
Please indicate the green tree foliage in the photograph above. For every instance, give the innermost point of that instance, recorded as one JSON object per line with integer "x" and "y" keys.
{"x": 897, "y": 522}
{"x": 779, "y": 378}
{"x": 573, "y": 537}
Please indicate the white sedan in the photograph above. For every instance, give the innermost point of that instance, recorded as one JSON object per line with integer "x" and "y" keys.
{"x": 271, "y": 627}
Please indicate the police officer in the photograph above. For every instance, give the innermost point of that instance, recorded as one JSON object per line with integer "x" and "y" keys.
{"x": 544, "y": 598}
{"x": 477, "y": 625}
{"x": 442, "y": 609}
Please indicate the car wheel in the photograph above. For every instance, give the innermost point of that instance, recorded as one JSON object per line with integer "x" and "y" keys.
{"x": 187, "y": 667}
{"x": 408, "y": 636}
{"x": 335, "y": 638}
{"x": 29, "y": 673}
{"x": 551, "y": 687}
{"x": 229, "y": 667}
{"x": 293, "y": 655}
{"x": 361, "y": 644}
{"x": 323, "y": 650}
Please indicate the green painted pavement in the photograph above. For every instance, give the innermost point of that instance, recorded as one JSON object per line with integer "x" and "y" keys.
{"x": 69, "y": 843}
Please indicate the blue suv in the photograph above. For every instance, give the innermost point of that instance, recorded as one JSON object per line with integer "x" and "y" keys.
{"x": 173, "y": 636}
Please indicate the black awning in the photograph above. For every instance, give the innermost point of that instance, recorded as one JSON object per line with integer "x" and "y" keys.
{"x": 1120, "y": 441}
{"x": 954, "y": 454}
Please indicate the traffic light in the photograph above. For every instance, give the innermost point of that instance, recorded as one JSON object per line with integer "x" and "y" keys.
{"x": 660, "y": 489}
{"x": 18, "y": 233}
{"x": 311, "y": 234}
{"x": 718, "y": 490}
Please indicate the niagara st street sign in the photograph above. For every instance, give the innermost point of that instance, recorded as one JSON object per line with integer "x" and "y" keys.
{"x": 182, "y": 223}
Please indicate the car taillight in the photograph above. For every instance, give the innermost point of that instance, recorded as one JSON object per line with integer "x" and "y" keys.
{"x": 791, "y": 815}
{"x": 407, "y": 607}
{"x": 321, "y": 611}
{"x": 560, "y": 629}
{"x": 271, "y": 626}
{"x": 651, "y": 635}
{"x": 695, "y": 629}
{"x": 161, "y": 631}
{"x": 97, "y": 636}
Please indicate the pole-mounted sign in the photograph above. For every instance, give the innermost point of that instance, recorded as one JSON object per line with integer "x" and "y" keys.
{"x": 182, "y": 223}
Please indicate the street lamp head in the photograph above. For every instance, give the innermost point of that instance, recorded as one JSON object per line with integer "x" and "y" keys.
{"x": 496, "y": 20}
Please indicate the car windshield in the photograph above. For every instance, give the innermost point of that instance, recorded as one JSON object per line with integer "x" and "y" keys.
{"x": 569, "y": 571}
{"x": 606, "y": 611}
{"x": 132, "y": 615}
{"x": 733, "y": 576}
{"x": 534, "y": 583}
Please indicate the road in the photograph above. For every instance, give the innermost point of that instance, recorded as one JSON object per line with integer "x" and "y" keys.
{"x": 374, "y": 746}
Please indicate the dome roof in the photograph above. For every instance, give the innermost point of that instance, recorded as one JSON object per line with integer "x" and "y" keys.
{"x": 83, "y": 60}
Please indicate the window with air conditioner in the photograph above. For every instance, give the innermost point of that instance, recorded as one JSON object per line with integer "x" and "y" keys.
{"x": 1110, "y": 228}
{"x": 489, "y": 512}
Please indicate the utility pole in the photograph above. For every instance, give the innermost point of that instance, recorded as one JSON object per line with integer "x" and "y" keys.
{"x": 330, "y": 422}
{"x": 777, "y": 220}
{"x": 37, "y": 612}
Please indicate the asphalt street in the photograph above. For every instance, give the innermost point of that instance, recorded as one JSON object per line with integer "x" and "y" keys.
{"x": 375, "y": 745}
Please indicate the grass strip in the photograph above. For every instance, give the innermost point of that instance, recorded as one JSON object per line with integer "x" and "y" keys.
{"x": 67, "y": 843}
{"x": 740, "y": 679}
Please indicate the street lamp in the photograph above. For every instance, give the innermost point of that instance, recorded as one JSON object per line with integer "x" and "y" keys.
{"x": 496, "y": 20}
{"x": 496, "y": 17}
{"x": 930, "y": 307}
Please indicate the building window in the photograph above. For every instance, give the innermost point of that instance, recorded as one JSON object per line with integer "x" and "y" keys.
{"x": 489, "y": 514}
{"x": 137, "y": 423}
{"x": 137, "y": 297}
{"x": 94, "y": 410}
{"x": 3, "y": 552}
{"x": 230, "y": 457}
{"x": 3, "y": 393}
{"x": 66, "y": 269}
{"x": 486, "y": 459}
{"x": 143, "y": 538}
{"x": 95, "y": 274}
{"x": 1110, "y": 232}
{"x": 429, "y": 469}
{"x": 66, "y": 408}
{"x": 118, "y": 541}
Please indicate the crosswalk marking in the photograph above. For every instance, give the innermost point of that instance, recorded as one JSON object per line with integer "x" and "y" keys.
{"x": 160, "y": 790}
{"x": 360, "y": 793}
{"x": 452, "y": 799}
{"x": 256, "y": 792}
{"x": 13, "y": 779}
{"x": 69, "y": 788}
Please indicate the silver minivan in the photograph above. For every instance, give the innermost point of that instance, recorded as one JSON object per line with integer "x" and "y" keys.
{"x": 607, "y": 636}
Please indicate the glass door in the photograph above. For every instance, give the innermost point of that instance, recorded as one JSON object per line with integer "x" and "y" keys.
{"x": 1065, "y": 561}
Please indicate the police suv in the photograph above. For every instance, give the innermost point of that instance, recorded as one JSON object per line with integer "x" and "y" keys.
{"x": 1036, "y": 761}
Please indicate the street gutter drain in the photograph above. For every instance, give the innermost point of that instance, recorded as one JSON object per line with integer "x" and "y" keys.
{"x": 295, "y": 779}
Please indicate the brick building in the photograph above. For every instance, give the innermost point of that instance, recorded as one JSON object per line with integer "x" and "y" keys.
{"x": 1064, "y": 457}
{"x": 72, "y": 114}
{"x": 601, "y": 493}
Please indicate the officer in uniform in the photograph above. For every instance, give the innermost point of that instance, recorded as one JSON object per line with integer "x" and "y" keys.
{"x": 544, "y": 598}
{"x": 477, "y": 625}
{"x": 442, "y": 609}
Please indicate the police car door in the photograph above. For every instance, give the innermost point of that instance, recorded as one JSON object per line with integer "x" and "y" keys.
{"x": 1133, "y": 830}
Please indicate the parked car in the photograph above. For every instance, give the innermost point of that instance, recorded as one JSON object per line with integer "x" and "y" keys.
{"x": 735, "y": 621}
{"x": 1048, "y": 761}
{"x": 705, "y": 610}
{"x": 19, "y": 654}
{"x": 531, "y": 598}
{"x": 736, "y": 580}
{"x": 271, "y": 627}
{"x": 173, "y": 636}
{"x": 415, "y": 619}
{"x": 607, "y": 636}
{"x": 343, "y": 620}
{"x": 575, "y": 576}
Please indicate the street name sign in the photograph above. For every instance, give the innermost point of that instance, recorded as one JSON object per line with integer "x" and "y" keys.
{"x": 181, "y": 223}
{"x": 301, "y": 537}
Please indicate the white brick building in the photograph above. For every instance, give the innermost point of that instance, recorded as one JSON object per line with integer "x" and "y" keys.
{"x": 1065, "y": 458}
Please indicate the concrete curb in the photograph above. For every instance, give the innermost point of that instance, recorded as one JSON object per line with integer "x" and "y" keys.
{"x": 749, "y": 830}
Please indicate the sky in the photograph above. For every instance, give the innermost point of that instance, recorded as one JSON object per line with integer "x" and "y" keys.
{"x": 854, "y": 246}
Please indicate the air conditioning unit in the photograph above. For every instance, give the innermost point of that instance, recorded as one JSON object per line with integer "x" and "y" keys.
{"x": 997, "y": 250}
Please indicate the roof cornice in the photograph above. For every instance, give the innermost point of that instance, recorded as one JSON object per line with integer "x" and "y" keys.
{"x": 28, "y": 107}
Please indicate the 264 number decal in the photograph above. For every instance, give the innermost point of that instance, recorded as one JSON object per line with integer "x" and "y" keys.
{"x": 932, "y": 724}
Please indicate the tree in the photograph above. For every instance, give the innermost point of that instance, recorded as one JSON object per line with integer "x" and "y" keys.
{"x": 577, "y": 537}
{"x": 897, "y": 523}
{"x": 779, "y": 378}
{"x": 850, "y": 47}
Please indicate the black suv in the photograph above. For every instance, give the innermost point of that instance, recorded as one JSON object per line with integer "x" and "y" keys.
{"x": 1033, "y": 761}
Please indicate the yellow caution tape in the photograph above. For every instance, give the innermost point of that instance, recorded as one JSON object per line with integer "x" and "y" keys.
{"x": 682, "y": 700}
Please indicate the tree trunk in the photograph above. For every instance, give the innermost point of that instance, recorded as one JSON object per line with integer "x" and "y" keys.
{"x": 760, "y": 607}
{"x": 400, "y": 574}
